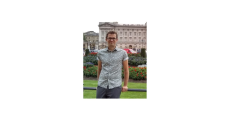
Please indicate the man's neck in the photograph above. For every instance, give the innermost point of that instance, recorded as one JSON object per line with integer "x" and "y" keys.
{"x": 111, "y": 48}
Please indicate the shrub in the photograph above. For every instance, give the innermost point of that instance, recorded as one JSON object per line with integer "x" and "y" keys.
{"x": 136, "y": 73}
{"x": 135, "y": 61}
{"x": 91, "y": 58}
{"x": 86, "y": 52}
{"x": 134, "y": 54}
{"x": 90, "y": 71}
{"x": 143, "y": 53}
{"x": 88, "y": 64}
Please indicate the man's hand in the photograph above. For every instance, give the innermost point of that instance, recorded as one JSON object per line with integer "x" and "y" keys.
{"x": 124, "y": 89}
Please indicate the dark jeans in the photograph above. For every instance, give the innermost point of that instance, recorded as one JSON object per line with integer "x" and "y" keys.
{"x": 108, "y": 93}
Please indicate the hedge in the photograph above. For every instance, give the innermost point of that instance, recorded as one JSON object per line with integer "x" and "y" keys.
{"x": 136, "y": 73}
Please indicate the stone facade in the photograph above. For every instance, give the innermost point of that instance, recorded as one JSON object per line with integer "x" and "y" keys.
{"x": 91, "y": 40}
{"x": 132, "y": 36}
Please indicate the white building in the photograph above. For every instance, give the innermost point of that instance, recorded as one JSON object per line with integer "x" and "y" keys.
{"x": 129, "y": 35}
{"x": 91, "y": 40}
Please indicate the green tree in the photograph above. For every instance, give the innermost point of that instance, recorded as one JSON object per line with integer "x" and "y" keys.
{"x": 84, "y": 38}
{"x": 143, "y": 53}
{"x": 86, "y": 52}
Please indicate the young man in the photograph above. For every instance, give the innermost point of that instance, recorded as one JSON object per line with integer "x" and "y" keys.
{"x": 109, "y": 73}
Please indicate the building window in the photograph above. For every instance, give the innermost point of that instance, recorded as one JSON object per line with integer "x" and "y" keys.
{"x": 121, "y": 38}
{"x": 121, "y": 33}
{"x": 125, "y": 33}
{"x": 130, "y": 33}
{"x": 140, "y": 33}
{"x": 134, "y": 33}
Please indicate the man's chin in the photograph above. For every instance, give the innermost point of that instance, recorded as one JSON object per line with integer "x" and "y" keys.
{"x": 111, "y": 45}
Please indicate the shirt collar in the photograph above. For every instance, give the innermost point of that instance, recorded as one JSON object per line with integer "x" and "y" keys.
{"x": 110, "y": 51}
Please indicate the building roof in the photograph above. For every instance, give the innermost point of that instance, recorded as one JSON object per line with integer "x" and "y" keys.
{"x": 91, "y": 33}
{"x": 115, "y": 24}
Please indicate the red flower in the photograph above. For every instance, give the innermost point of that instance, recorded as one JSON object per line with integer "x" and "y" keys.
{"x": 135, "y": 70}
{"x": 89, "y": 70}
{"x": 142, "y": 75}
{"x": 145, "y": 76}
{"x": 141, "y": 72}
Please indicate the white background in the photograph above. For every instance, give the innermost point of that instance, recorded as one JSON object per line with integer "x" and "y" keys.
{"x": 41, "y": 65}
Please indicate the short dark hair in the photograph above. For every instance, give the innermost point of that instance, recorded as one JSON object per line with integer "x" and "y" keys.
{"x": 112, "y": 32}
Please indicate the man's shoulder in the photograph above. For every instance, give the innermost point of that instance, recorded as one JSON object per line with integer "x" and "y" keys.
{"x": 102, "y": 50}
{"x": 119, "y": 49}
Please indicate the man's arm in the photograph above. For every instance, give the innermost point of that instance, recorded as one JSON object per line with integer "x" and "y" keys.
{"x": 98, "y": 69}
{"x": 126, "y": 75}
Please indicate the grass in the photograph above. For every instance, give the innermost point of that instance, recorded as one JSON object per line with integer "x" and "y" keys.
{"x": 124, "y": 95}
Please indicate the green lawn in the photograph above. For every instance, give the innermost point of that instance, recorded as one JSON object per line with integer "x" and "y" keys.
{"x": 124, "y": 95}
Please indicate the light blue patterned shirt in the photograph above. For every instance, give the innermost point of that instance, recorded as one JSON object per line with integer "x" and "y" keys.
{"x": 111, "y": 72}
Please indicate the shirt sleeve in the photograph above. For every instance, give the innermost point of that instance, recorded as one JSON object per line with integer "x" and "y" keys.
{"x": 125, "y": 56}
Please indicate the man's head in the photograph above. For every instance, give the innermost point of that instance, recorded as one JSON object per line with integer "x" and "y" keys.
{"x": 111, "y": 38}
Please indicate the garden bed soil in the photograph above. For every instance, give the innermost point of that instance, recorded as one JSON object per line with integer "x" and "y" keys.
{"x": 130, "y": 80}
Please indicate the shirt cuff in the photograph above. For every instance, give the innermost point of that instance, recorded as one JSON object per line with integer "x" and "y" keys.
{"x": 126, "y": 58}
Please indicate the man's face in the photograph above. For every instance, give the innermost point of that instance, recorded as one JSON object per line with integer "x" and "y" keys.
{"x": 111, "y": 39}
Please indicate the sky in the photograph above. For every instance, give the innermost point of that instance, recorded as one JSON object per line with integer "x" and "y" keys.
{"x": 93, "y": 25}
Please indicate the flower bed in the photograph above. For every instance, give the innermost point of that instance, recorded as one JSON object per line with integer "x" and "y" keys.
{"x": 88, "y": 64}
{"x": 135, "y": 61}
{"x": 91, "y": 58}
{"x": 135, "y": 73}
{"x": 93, "y": 54}
{"x": 134, "y": 54}
{"x": 90, "y": 71}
